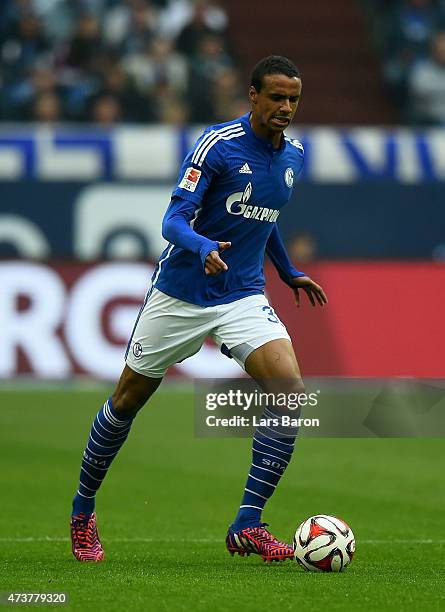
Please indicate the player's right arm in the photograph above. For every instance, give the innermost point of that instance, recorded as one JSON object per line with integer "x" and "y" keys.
{"x": 202, "y": 164}
{"x": 213, "y": 263}
{"x": 176, "y": 229}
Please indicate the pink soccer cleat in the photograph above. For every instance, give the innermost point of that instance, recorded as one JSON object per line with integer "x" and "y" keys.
{"x": 259, "y": 541}
{"x": 85, "y": 541}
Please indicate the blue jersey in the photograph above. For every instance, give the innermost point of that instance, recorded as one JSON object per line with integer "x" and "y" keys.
{"x": 231, "y": 188}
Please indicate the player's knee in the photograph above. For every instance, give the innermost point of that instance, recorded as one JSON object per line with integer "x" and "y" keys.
{"x": 298, "y": 386}
{"x": 292, "y": 389}
{"x": 128, "y": 402}
{"x": 129, "y": 397}
{"x": 293, "y": 386}
{"x": 132, "y": 392}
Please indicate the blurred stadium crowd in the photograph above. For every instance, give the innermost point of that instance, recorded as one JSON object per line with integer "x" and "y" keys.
{"x": 172, "y": 61}
{"x": 410, "y": 35}
{"x": 109, "y": 61}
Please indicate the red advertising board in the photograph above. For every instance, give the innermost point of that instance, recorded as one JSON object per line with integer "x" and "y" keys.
{"x": 382, "y": 320}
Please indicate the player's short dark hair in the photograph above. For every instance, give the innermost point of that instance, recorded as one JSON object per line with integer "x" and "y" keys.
{"x": 273, "y": 64}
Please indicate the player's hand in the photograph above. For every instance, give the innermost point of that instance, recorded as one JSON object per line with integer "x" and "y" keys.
{"x": 214, "y": 264}
{"x": 314, "y": 292}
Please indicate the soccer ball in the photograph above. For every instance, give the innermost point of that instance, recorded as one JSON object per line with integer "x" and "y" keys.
{"x": 324, "y": 543}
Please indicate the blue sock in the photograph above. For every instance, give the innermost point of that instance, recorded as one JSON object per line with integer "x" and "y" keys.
{"x": 271, "y": 453}
{"x": 107, "y": 435}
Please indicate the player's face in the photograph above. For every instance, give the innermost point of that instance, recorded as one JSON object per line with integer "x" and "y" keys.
{"x": 274, "y": 107}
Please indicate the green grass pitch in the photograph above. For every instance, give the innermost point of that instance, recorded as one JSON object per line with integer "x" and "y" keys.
{"x": 169, "y": 497}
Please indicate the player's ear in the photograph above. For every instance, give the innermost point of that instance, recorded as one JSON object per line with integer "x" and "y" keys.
{"x": 253, "y": 94}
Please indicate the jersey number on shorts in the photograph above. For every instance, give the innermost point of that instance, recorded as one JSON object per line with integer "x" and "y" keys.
{"x": 272, "y": 316}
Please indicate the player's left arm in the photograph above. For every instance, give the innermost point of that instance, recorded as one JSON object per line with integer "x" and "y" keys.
{"x": 294, "y": 278}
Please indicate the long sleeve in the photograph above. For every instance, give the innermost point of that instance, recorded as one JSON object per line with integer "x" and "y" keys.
{"x": 176, "y": 229}
{"x": 276, "y": 252}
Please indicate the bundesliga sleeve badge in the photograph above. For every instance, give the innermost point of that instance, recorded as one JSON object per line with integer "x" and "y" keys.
{"x": 190, "y": 179}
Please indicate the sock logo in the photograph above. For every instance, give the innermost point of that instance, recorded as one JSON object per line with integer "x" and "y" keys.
{"x": 92, "y": 460}
{"x": 273, "y": 464}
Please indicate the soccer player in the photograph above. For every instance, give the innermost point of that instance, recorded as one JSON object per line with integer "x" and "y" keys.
{"x": 209, "y": 281}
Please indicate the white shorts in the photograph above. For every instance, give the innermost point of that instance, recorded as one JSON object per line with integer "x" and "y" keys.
{"x": 169, "y": 330}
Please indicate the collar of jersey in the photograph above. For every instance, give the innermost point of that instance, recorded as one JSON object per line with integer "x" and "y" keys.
{"x": 264, "y": 142}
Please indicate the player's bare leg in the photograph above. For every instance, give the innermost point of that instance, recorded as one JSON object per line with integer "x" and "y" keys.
{"x": 275, "y": 367}
{"x": 108, "y": 433}
{"x": 132, "y": 392}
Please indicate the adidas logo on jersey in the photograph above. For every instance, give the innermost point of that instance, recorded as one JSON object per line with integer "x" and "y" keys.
{"x": 245, "y": 169}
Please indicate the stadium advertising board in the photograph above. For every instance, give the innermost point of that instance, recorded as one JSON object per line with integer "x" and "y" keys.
{"x": 59, "y": 320}
{"x": 88, "y": 221}
{"x": 144, "y": 153}
{"x": 67, "y": 319}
